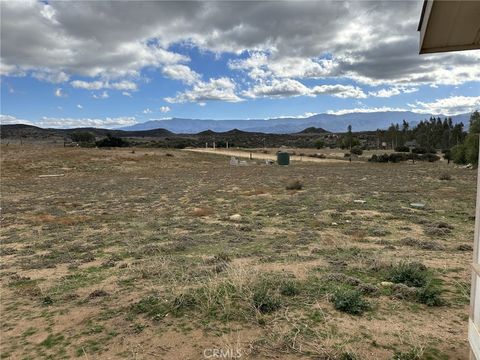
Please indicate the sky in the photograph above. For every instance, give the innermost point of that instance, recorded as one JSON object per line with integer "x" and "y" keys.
{"x": 114, "y": 64}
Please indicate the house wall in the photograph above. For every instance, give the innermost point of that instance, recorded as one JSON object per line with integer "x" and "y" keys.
{"x": 474, "y": 320}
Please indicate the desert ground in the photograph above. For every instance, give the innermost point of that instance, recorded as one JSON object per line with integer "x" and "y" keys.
{"x": 172, "y": 254}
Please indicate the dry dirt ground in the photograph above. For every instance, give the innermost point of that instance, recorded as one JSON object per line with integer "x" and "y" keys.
{"x": 136, "y": 256}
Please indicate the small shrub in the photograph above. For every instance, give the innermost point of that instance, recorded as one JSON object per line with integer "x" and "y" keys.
{"x": 265, "y": 301}
{"x": 350, "y": 301}
{"x": 422, "y": 150}
{"x": 289, "y": 288}
{"x": 294, "y": 185}
{"x": 411, "y": 274}
{"x": 152, "y": 306}
{"x": 430, "y": 157}
{"x": 430, "y": 295}
{"x": 445, "y": 176}
{"x": 368, "y": 289}
{"x": 402, "y": 148}
{"x": 348, "y": 356}
{"x": 404, "y": 292}
{"x": 112, "y": 141}
{"x": 183, "y": 302}
{"x": 356, "y": 150}
{"x": 465, "y": 247}
{"x": 412, "y": 354}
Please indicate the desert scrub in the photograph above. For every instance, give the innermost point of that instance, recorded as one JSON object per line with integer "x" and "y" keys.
{"x": 430, "y": 295}
{"x": 445, "y": 176}
{"x": 294, "y": 185}
{"x": 411, "y": 274}
{"x": 350, "y": 301}
{"x": 265, "y": 300}
{"x": 289, "y": 288}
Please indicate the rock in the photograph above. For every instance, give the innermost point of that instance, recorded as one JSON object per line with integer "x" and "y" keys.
{"x": 236, "y": 217}
{"x": 334, "y": 224}
{"x": 386, "y": 283}
{"x": 359, "y": 201}
{"x": 417, "y": 205}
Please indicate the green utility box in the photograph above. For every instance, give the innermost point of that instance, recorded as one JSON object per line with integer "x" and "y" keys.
{"x": 283, "y": 158}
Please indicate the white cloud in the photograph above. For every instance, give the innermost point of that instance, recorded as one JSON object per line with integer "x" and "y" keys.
{"x": 9, "y": 120}
{"x": 164, "y": 109}
{"x": 126, "y": 93}
{"x": 364, "y": 110}
{"x": 341, "y": 91}
{"x": 51, "y": 76}
{"x": 182, "y": 73}
{"x": 79, "y": 106}
{"x": 59, "y": 93}
{"x": 448, "y": 106}
{"x": 280, "y": 88}
{"x": 393, "y": 91}
{"x": 372, "y": 42}
{"x": 98, "y": 85}
{"x": 102, "y": 95}
{"x": 221, "y": 89}
{"x": 147, "y": 111}
{"x": 50, "y": 122}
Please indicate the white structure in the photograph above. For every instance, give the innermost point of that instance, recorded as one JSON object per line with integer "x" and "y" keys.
{"x": 454, "y": 26}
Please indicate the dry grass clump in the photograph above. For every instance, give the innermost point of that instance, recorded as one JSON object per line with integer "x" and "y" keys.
{"x": 294, "y": 185}
{"x": 445, "y": 176}
{"x": 202, "y": 211}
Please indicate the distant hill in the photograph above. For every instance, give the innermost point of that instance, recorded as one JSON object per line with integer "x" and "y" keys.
{"x": 313, "y": 130}
{"x": 333, "y": 123}
{"x": 34, "y": 132}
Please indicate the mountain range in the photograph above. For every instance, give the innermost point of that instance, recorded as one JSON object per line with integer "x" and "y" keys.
{"x": 333, "y": 123}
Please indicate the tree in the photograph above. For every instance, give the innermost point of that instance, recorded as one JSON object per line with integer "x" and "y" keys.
{"x": 83, "y": 137}
{"x": 349, "y": 136}
{"x": 319, "y": 144}
{"x": 112, "y": 141}
{"x": 467, "y": 153}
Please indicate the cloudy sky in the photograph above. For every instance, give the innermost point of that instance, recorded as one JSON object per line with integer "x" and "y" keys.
{"x": 111, "y": 64}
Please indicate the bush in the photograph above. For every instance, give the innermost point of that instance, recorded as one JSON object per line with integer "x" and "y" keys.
{"x": 397, "y": 157}
{"x": 294, "y": 185}
{"x": 356, "y": 150}
{"x": 445, "y": 176}
{"x": 402, "y": 148}
{"x": 411, "y": 274}
{"x": 84, "y": 137}
{"x": 112, "y": 141}
{"x": 265, "y": 301}
{"x": 379, "y": 158}
{"x": 430, "y": 295}
{"x": 319, "y": 144}
{"x": 459, "y": 154}
{"x": 430, "y": 157}
{"x": 350, "y": 301}
{"x": 289, "y": 288}
{"x": 412, "y": 354}
{"x": 422, "y": 150}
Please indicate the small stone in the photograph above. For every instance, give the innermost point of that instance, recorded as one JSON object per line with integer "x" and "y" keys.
{"x": 334, "y": 224}
{"x": 386, "y": 283}
{"x": 417, "y": 205}
{"x": 359, "y": 201}
{"x": 236, "y": 217}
